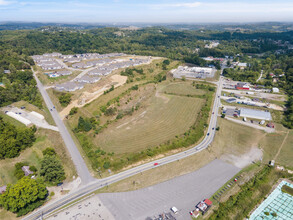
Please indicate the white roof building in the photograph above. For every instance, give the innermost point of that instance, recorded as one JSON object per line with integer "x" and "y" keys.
{"x": 256, "y": 114}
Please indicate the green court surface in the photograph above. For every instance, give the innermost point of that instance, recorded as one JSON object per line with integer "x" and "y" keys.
{"x": 278, "y": 205}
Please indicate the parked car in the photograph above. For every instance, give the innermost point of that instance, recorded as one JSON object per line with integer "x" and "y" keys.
{"x": 174, "y": 209}
{"x": 22, "y": 107}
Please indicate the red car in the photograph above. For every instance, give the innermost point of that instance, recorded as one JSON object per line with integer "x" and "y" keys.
{"x": 155, "y": 164}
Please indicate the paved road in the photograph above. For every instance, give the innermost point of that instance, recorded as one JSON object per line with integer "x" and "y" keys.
{"x": 97, "y": 184}
{"x": 78, "y": 161}
{"x": 183, "y": 192}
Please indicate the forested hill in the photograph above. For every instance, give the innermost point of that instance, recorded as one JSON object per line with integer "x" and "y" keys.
{"x": 148, "y": 41}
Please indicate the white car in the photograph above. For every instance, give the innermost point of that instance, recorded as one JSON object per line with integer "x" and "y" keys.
{"x": 174, "y": 210}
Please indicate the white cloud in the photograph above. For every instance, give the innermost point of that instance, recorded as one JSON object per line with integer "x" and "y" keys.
{"x": 178, "y": 5}
{"x": 186, "y": 5}
{"x": 4, "y": 2}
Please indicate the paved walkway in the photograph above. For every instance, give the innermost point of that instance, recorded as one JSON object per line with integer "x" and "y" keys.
{"x": 183, "y": 192}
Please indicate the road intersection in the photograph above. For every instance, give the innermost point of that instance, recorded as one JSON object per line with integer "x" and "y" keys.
{"x": 90, "y": 184}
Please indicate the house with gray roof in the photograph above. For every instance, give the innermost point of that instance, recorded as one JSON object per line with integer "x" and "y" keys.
{"x": 27, "y": 171}
{"x": 69, "y": 86}
{"x": 87, "y": 79}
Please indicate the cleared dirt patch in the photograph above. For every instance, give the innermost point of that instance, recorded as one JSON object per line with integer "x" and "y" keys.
{"x": 87, "y": 97}
{"x": 241, "y": 161}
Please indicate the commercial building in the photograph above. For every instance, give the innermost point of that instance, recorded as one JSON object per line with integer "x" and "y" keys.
{"x": 242, "y": 86}
{"x": 193, "y": 72}
{"x": 256, "y": 114}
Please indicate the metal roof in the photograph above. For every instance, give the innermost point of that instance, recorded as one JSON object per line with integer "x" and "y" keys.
{"x": 257, "y": 114}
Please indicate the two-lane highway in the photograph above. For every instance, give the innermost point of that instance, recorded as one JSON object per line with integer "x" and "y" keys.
{"x": 97, "y": 184}
{"x": 78, "y": 161}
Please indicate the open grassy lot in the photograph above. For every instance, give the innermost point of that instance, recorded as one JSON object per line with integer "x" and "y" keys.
{"x": 165, "y": 117}
{"x": 182, "y": 88}
{"x": 286, "y": 154}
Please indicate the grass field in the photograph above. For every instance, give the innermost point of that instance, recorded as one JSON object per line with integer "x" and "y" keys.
{"x": 152, "y": 126}
{"x": 181, "y": 88}
{"x": 164, "y": 117}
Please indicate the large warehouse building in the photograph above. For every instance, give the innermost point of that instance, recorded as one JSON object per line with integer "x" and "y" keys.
{"x": 257, "y": 114}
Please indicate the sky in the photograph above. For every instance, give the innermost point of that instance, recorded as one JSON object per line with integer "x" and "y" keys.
{"x": 147, "y": 11}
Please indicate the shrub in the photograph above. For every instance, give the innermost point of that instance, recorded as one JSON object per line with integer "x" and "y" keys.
{"x": 65, "y": 99}
{"x": 84, "y": 124}
{"x": 106, "y": 165}
{"x": 49, "y": 151}
{"x": 73, "y": 111}
{"x": 110, "y": 111}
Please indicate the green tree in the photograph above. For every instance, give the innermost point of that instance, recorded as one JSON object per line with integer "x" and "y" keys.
{"x": 166, "y": 62}
{"x": 13, "y": 140}
{"x": 23, "y": 194}
{"x": 52, "y": 169}
{"x": 84, "y": 124}
{"x": 12, "y": 68}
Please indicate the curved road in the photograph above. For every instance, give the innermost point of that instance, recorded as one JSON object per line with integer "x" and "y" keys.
{"x": 90, "y": 184}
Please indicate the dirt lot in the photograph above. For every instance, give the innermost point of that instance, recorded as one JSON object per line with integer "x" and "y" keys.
{"x": 87, "y": 97}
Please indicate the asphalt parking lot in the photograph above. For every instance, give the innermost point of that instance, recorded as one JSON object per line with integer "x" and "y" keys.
{"x": 183, "y": 192}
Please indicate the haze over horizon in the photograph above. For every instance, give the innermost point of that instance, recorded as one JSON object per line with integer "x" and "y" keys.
{"x": 160, "y": 11}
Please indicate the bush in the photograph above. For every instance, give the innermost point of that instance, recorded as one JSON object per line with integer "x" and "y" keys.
{"x": 49, "y": 151}
{"x": 65, "y": 99}
{"x": 18, "y": 172}
{"x": 73, "y": 111}
{"x": 84, "y": 124}
{"x": 110, "y": 111}
{"x": 33, "y": 168}
{"x": 106, "y": 165}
